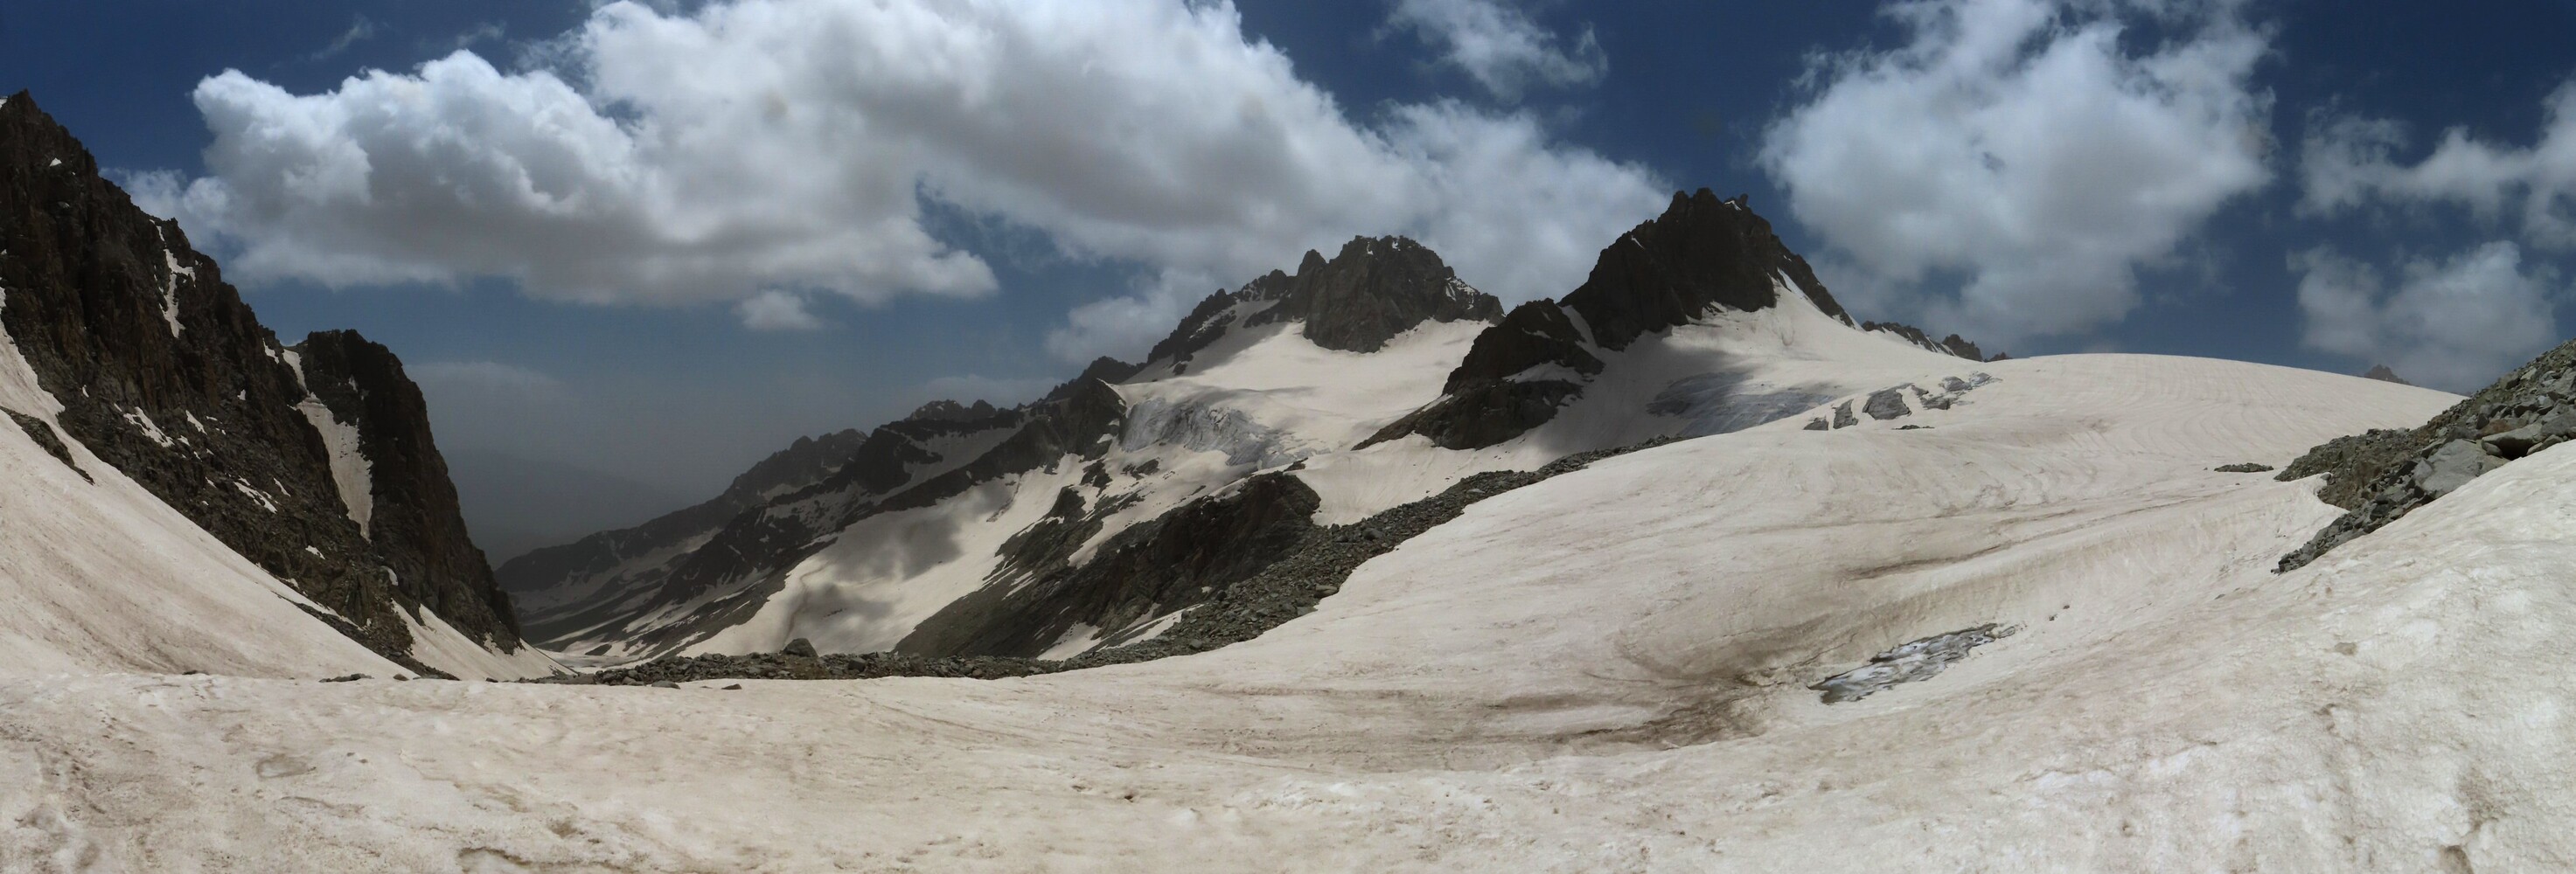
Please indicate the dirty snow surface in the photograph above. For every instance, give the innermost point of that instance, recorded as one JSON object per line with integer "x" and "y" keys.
{"x": 1607, "y": 671}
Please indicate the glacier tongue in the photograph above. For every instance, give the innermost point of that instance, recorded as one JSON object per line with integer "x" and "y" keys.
{"x": 1208, "y": 428}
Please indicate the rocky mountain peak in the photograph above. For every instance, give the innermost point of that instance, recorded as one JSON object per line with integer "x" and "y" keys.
{"x": 313, "y": 462}
{"x": 1701, "y": 253}
{"x": 952, "y": 411}
{"x": 1356, "y": 301}
{"x": 1376, "y": 288}
{"x": 2382, "y": 373}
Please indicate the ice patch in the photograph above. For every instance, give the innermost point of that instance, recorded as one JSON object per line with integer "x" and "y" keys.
{"x": 1718, "y": 403}
{"x": 1209, "y": 429}
{"x": 1908, "y": 662}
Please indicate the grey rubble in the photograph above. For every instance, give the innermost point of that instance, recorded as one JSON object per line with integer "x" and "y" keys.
{"x": 2383, "y": 475}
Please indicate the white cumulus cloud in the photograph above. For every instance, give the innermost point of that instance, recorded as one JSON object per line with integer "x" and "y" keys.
{"x": 2026, "y": 147}
{"x": 2348, "y": 161}
{"x": 749, "y": 152}
{"x": 1499, "y": 45}
{"x": 2454, "y": 323}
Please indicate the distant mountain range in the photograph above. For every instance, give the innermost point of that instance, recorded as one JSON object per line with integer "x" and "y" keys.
{"x": 1099, "y": 514}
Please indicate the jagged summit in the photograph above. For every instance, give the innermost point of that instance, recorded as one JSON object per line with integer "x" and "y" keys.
{"x": 1702, "y": 255}
{"x": 1701, "y": 252}
{"x": 1376, "y": 288}
{"x": 2382, "y": 373}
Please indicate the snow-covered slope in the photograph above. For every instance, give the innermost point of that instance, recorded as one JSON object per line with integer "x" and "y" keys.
{"x": 1606, "y": 671}
{"x": 96, "y": 574}
{"x": 973, "y": 514}
{"x": 1369, "y": 380}
{"x": 310, "y": 467}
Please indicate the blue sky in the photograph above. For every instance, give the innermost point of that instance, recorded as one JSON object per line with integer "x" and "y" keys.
{"x": 659, "y": 241}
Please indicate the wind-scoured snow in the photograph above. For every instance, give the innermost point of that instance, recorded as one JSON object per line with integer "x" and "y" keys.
{"x": 1604, "y": 671}
{"x": 439, "y": 645}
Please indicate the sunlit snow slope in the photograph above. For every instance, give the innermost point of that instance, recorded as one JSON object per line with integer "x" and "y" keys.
{"x": 1602, "y": 672}
{"x": 102, "y": 576}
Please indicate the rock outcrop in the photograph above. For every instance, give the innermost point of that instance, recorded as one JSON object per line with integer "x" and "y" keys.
{"x": 2383, "y": 374}
{"x": 1375, "y": 289}
{"x": 2383, "y": 475}
{"x": 165, "y": 374}
{"x": 1950, "y": 345}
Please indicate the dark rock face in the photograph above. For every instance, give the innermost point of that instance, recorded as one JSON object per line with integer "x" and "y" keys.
{"x": 415, "y": 524}
{"x": 1886, "y": 404}
{"x": 1536, "y": 333}
{"x": 1481, "y": 405}
{"x": 2383, "y": 475}
{"x": 1950, "y": 345}
{"x": 2245, "y": 467}
{"x": 1701, "y": 254}
{"x": 1482, "y": 414}
{"x": 1376, "y": 288}
{"x": 1174, "y": 562}
{"x": 165, "y": 374}
{"x": 1373, "y": 290}
{"x": 2383, "y": 374}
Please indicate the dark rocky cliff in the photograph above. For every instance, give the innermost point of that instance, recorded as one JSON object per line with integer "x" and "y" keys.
{"x": 165, "y": 374}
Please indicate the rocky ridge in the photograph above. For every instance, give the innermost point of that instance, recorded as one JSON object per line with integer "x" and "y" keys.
{"x": 164, "y": 373}
{"x": 1374, "y": 289}
{"x": 1950, "y": 345}
{"x": 1313, "y": 568}
{"x": 719, "y": 562}
{"x": 1701, "y": 254}
{"x": 2383, "y": 475}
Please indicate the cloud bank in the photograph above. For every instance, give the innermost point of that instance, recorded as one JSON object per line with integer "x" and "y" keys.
{"x": 2022, "y": 147}
{"x": 2454, "y": 323}
{"x": 757, "y": 152}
